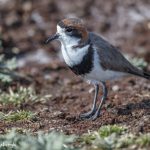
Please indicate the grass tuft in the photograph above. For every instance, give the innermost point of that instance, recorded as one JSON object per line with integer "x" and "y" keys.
{"x": 138, "y": 62}
{"x": 88, "y": 138}
{"x": 48, "y": 141}
{"x": 105, "y": 131}
{"x": 143, "y": 140}
{"x": 20, "y": 96}
{"x": 125, "y": 140}
{"x": 16, "y": 116}
{"x": 113, "y": 137}
{"x": 116, "y": 139}
{"x": 6, "y": 67}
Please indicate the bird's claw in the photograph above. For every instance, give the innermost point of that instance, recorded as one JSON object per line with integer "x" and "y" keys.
{"x": 91, "y": 115}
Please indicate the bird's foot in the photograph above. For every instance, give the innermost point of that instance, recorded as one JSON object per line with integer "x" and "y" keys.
{"x": 95, "y": 116}
{"x": 88, "y": 115}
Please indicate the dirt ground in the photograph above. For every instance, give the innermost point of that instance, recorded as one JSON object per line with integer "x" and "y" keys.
{"x": 24, "y": 25}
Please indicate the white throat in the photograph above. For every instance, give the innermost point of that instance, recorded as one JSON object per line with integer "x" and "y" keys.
{"x": 72, "y": 56}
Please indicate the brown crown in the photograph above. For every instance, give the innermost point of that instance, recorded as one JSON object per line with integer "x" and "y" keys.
{"x": 76, "y": 24}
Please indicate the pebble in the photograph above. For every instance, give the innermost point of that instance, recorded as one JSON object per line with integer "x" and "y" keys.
{"x": 115, "y": 88}
{"x": 91, "y": 90}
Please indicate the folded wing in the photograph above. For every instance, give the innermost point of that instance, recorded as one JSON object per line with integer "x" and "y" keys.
{"x": 112, "y": 59}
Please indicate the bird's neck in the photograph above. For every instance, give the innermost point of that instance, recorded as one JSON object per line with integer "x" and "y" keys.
{"x": 73, "y": 53}
{"x": 70, "y": 43}
{"x": 75, "y": 42}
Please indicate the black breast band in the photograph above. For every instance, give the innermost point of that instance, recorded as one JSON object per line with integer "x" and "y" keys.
{"x": 86, "y": 64}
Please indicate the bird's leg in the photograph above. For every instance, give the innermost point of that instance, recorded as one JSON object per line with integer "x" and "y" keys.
{"x": 102, "y": 101}
{"x": 93, "y": 110}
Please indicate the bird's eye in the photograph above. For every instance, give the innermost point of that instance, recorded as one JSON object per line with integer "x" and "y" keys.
{"x": 69, "y": 30}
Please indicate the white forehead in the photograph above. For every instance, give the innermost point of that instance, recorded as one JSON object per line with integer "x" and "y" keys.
{"x": 65, "y": 39}
{"x": 60, "y": 30}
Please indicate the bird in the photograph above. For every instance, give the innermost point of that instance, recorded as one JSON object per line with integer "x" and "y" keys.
{"x": 93, "y": 58}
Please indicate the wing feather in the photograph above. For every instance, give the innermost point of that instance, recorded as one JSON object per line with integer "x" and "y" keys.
{"x": 111, "y": 58}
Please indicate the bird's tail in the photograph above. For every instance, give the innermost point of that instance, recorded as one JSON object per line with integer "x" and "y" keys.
{"x": 146, "y": 75}
{"x": 141, "y": 73}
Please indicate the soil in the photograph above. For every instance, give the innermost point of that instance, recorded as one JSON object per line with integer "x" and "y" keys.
{"x": 26, "y": 24}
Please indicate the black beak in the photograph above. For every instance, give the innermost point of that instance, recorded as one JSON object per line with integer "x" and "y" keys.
{"x": 51, "y": 38}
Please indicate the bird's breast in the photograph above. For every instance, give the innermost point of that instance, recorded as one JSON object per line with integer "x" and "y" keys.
{"x": 79, "y": 60}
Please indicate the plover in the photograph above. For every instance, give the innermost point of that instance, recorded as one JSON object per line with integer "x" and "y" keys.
{"x": 92, "y": 57}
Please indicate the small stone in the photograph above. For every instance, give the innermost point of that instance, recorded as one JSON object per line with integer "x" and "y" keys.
{"x": 57, "y": 113}
{"x": 67, "y": 82}
{"x": 115, "y": 88}
{"x": 91, "y": 90}
{"x": 27, "y": 6}
{"x": 116, "y": 97}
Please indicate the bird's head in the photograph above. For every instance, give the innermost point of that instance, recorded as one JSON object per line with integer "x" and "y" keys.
{"x": 70, "y": 30}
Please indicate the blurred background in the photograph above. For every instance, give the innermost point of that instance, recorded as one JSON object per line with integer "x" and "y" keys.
{"x": 25, "y": 24}
{"x": 53, "y": 92}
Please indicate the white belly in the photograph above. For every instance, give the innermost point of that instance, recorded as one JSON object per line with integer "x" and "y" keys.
{"x": 98, "y": 74}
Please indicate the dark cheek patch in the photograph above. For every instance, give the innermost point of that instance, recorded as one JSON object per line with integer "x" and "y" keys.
{"x": 76, "y": 34}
